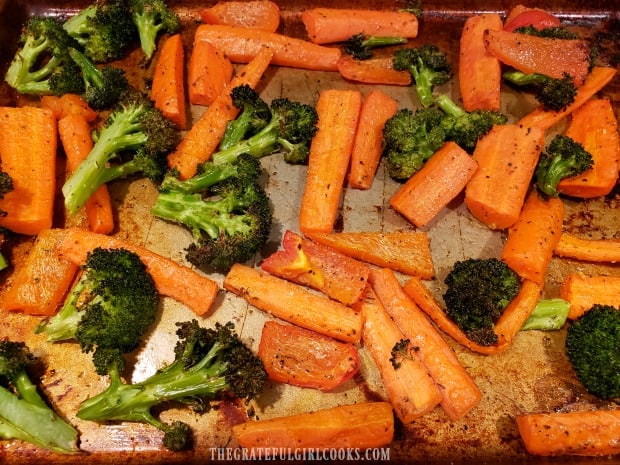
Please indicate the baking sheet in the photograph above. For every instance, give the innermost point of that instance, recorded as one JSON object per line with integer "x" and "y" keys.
{"x": 532, "y": 375}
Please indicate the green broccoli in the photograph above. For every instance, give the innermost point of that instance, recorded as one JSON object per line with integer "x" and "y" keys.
{"x": 410, "y": 138}
{"x": 360, "y": 46}
{"x": 24, "y": 415}
{"x": 553, "y": 93}
{"x": 548, "y": 315}
{"x": 400, "y": 352}
{"x": 563, "y": 158}
{"x": 226, "y": 209}
{"x": 209, "y": 363}
{"x": 152, "y": 17}
{"x": 429, "y": 67}
{"x": 414, "y": 7}
{"x": 134, "y": 139}
{"x": 254, "y": 116}
{"x": 551, "y": 32}
{"x": 593, "y": 349}
{"x": 478, "y": 291}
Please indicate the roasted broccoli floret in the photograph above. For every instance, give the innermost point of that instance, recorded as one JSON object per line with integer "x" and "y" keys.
{"x": 134, "y": 139}
{"x": 360, "y": 46}
{"x": 563, "y": 158}
{"x": 593, "y": 349}
{"x": 290, "y": 130}
{"x": 209, "y": 364}
{"x": 42, "y": 65}
{"x": 548, "y": 315}
{"x": 104, "y": 30}
{"x": 410, "y": 138}
{"x": 400, "y": 352}
{"x": 478, "y": 291}
{"x": 429, "y": 67}
{"x": 152, "y": 17}
{"x": 108, "y": 310}
{"x": 552, "y": 32}
{"x": 24, "y": 414}
{"x": 553, "y": 93}
{"x": 254, "y": 116}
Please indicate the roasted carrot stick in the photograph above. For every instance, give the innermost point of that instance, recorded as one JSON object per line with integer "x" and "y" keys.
{"x": 172, "y": 279}
{"x": 405, "y": 251}
{"x": 589, "y": 250}
{"x": 431, "y": 188}
{"x": 294, "y": 303}
{"x": 209, "y": 73}
{"x": 258, "y": 14}
{"x": 68, "y": 104}
{"x": 507, "y": 156}
{"x": 533, "y": 238}
{"x": 479, "y": 72}
{"x": 241, "y": 44}
{"x": 377, "y": 108}
{"x": 410, "y": 388}
{"x": 517, "y": 312}
{"x": 328, "y": 25}
{"x": 377, "y": 70}
{"x": 40, "y": 283}
{"x": 459, "y": 392}
{"x": 584, "y": 291}
{"x": 204, "y": 136}
{"x": 328, "y": 162}
{"x": 586, "y": 433}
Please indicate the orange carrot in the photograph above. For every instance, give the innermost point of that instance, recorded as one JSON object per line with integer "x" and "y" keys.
{"x": 507, "y": 157}
{"x": 585, "y": 433}
{"x": 439, "y": 181}
{"x": 532, "y": 239}
{"x": 458, "y": 390}
{"x": 203, "y": 138}
{"x": 328, "y": 162}
{"x": 594, "y": 125}
{"x": 328, "y": 25}
{"x": 517, "y": 312}
{"x": 479, "y": 72}
{"x": 209, "y": 73}
{"x": 532, "y": 54}
{"x": 589, "y": 250}
{"x": 294, "y": 303}
{"x": 405, "y": 251}
{"x": 376, "y": 70}
{"x": 28, "y": 143}
{"x": 584, "y": 291}
{"x": 521, "y": 15}
{"x": 377, "y": 108}
{"x": 68, "y": 104}
{"x": 258, "y": 14}
{"x": 172, "y": 279}
{"x": 241, "y": 44}
{"x": 360, "y": 426}
{"x": 75, "y": 136}
{"x": 408, "y": 385}
{"x": 168, "y": 87}
{"x": 40, "y": 283}
{"x": 598, "y": 78}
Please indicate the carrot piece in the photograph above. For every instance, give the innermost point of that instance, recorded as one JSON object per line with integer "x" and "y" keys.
{"x": 590, "y": 250}
{"x": 480, "y": 74}
{"x": 172, "y": 279}
{"x": 258, "y": 14}
{"x": 209, "y": 73}
{"x": 241, "y": 44}
{"x": 305, "y": 358}
{"x": 585, "y": 433}
{"x": 376, "y": 70}
{"x": 517, "y": 312}
{"x": 68, "y": 104}
{"x": 361, "y": 426}
{"x": 594, "y": 125}
{"x": 168, "y": 87}
{"x": 328, "y": 25}
{"x": 319, "y": 267}
{"x": 40, "y": 283}
{"x": 75, "y": 136}
{"x": 328, "y": 161}
{"x": 507, "y": 156}
{"x": 376, "y": 109}
{"x": 598, "y": 78}
{"x": 294, "y": 303}
{"x": 533, "y": 238}
{"x": 459, "y": 392}
{"x": 521, "y": 15}
{"x": 439, "y": 181}
{"x": 584, "y": 291}
{"x": 410, "y": 388}
{"x": 28, "y": 143}
{"x": 533, "y": 54}
{"x": 204, "y": 136}
{"x": 405, "y": 251}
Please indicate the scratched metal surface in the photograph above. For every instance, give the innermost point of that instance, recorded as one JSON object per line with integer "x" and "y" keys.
{"x": 532, "y": 376}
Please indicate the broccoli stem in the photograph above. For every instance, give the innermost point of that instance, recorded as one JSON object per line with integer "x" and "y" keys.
{"x": 548, "y": 315}
{"x": 522, "y": 79}
{"x": 259, "y": 145}
{"x": 449, "y": 106}
{"x": 201, "y": 181}
{"x": 147, "y": 33}
{"x": 423, "y": 78}
{"x": 91, "y": 73}
{"x": 63, "y": 325}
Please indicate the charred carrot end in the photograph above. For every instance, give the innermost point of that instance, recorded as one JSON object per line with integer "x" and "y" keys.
{"x": 168, "y": 87}
{"x": 584, "y": 291}
{"x": 209, "y": 73}
{"x": 589, "y": 250}
{"x": 257, "y": 14}
{"x": 373, "y": 71}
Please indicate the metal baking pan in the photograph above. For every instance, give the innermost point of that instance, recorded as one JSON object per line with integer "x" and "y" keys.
{"x": 532, "y": 375}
